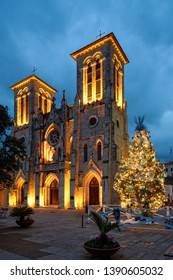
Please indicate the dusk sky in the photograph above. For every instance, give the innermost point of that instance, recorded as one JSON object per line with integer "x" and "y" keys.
{"x": 43, "y": 34}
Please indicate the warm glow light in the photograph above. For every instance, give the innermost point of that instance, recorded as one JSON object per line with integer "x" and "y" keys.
{"x": 23, "y": 107}
{"x": 12, "y": 199}
{"x": 140, "y": 179}
{"x": 31, "y": 201}
{"x": 41, "y": 201}
{"x": 93, "y": 80}
{"x": 78, "y": 202}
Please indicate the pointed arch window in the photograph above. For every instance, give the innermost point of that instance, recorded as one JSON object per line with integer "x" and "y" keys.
{"x": 45, "y": 105}
{"x": 98, "y": 79}
{"x": 44, "y": 101}
{"x": 40, "y": 102}
{"x": 93, "y": 78}
{"x": 89, "y": 83}
{"x": 22, "y": 110}
{"x": 85, "y": 153}
{"x": 118, "y": 84}
{"x": 99, "y": 151}
{"x": 23, "y": 107}
{"x": 27, "y": 109}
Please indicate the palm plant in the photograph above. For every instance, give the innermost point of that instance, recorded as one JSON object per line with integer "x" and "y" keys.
{"x": 104, "y": 226}
{"x": 23, "y": 213}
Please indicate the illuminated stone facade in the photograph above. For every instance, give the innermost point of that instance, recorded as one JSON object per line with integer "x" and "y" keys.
{"x": 73, "y": 151}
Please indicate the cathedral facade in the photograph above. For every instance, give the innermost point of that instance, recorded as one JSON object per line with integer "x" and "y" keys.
{"x": 73, "y": 151}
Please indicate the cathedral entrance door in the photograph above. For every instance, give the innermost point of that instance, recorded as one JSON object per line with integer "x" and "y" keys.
{"x": 22, "y": 194}
{"x": 94, "y": 192}
{"x": 54, "y": 193}
{"x": 20, "y": 197}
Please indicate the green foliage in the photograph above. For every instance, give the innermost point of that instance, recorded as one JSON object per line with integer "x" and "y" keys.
{"x": 140, "y": 178}
{"x": 12, "y": 150}
{"x": 5, "y": 120}
{"x": 21, "y": 212}
{"x": 104, "y": 225}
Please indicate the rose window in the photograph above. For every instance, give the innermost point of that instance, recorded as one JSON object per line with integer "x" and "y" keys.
{"x": 53, "y": 138}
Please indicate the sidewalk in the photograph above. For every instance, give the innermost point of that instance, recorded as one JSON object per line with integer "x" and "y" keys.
{"x": 59, "y": 234}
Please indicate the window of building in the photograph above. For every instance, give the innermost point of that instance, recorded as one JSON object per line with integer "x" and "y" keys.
{"x": 119, "y": 94}
{"x": 92, "y": 78}
{"x": 27, "y": 109}
{"x": 53, "y": 137}
{"x": 118, "y": 84}
{"x": 44, "y": 101}
{"x": 22, "y": 110}
{"x": 89, "y": 82}
{"x": 93, "y": 121}
{"x": 99, "y": 151}
{"x": 23, "y": 107}
{"x": 40, "y": 102}
{"x": 45, "y": 105}
{"x": 85, "y": 153}
{"x": 98, "y": 79}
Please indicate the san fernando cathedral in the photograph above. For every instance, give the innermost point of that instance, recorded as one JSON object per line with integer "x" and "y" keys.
{"x": 72, "y": 151}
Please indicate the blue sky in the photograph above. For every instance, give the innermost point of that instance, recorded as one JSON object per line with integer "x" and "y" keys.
{"x": 43, "y": 33}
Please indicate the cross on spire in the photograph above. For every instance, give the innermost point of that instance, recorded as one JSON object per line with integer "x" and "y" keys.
{"x": 100, "y": 34}
{"x": 34, "y": 70}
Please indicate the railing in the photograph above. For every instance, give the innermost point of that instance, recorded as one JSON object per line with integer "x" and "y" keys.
{"x": 129, "y": 218}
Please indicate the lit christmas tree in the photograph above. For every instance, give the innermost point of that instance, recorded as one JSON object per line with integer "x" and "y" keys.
{"x": 140, "y": 179}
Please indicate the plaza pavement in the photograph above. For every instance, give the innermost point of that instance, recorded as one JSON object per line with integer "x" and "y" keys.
{"x": 58, "y": 234}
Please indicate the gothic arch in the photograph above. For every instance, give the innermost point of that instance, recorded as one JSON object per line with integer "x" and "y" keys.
{"x": 23, "y": 106}
{"x": 92, "y": 183}
{"x": 20, "y": 190}
{"x": 52, "y": 142}
{"x": 44, "y": 100}
{"x": 52, "y": 127}
{"x": 99, "y": 150}
{"x": 93, "y": 78}
{"x": 51, "y": 190}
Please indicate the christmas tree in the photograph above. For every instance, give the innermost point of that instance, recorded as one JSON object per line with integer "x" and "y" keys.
{"x": 140, "y": 179}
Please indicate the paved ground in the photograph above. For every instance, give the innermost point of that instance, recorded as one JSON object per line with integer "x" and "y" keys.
{"x": 58, "y": 235}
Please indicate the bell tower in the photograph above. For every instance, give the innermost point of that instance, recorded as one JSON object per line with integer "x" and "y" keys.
{"x": 32, "y": 99}
{"x": 31, "y": 94}
{"x": 100, "y": 118}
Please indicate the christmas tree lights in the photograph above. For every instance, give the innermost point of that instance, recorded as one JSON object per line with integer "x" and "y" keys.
{"x": 140, "y": 179}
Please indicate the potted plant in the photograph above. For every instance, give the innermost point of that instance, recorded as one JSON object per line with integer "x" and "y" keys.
{"x": 103, "y": 245}
{"x": 23, "y": 216}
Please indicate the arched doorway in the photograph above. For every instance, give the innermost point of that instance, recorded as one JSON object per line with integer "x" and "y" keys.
{"x": 94, "y": 192}
{"x": 22, "y": 194}
{"x": 20, "y": 191}
{"x": 51, "y": 190}
{"x": 54, "y": 193}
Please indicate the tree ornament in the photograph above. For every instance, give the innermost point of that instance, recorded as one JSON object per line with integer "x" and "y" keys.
{"x": 140, "y": 178}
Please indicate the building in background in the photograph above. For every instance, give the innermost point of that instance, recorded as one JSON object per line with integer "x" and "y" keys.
{"x": 73, "y": 151}
{"x": 169, "y": 180}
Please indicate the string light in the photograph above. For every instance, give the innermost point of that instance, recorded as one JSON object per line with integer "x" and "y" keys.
{"x": 140, "y": 179}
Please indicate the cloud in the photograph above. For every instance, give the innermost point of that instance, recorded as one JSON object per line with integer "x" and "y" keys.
{"x": 44, "y": 33}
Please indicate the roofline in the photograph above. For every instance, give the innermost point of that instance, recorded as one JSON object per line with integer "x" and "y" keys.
{"x": 100, "y": 42}
{"x": 32, "y": 77}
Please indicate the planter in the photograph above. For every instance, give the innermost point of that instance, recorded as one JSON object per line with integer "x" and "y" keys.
{"x": 24, "y": 224}
{"x": 101, "y": 253}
